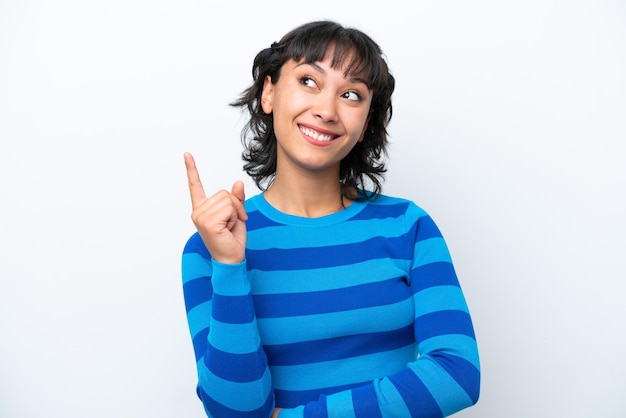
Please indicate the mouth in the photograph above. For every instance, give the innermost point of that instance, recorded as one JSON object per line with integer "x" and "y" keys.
{"x": 316, "y": 135}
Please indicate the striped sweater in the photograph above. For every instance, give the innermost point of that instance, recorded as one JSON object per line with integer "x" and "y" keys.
{"x": 354, "y": 314}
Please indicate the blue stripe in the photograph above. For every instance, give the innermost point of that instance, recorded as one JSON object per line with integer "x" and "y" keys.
{"x": 339, "y": 348}
{"x": 196, "y": 292}
{"x": 433, "y": 274}
{"x": 233, "y": 309}
{"x": 461, "y": 370}
{"x": 196, "y": 245}
{"x": 371, "y": 271}
{"x": 461, "y": 345}
{"x": 195, "y": 265}
{"x": 431, "y": 250}
{"x": 234, "y": 338}
{"x": 199, "y": 318}
{"x": 216, "y": 409}
{"x": 340, "y": 234}
{"x": 318, "y": 409}
{"x": 293, "y": 398}
{"x": 446, "y": 391}
{"x": 381, "y": 211}
{"x": 339, "y": 405}
{"x": 256, "y": 221}
{"x": 426, "y": 229}
{"x": 224, "y": 365}
{"x": 364, "y": 402}
{"x": 315, "y": 327}
{"x": 330, "y": 256}
{"x": 439, "y": 298}
{"x": 342, "y": 372}
{"x": 443, "y": 322}
{"x": 416, "y": 395}
{"x": 200, "y": 343}
{"x": 355, "y": 297}
{"x": 229, "y": 393}
{"x": 388, "y": 398}
{"x": 230, "y": 279}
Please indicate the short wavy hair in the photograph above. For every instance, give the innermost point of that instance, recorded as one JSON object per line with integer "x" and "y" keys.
{"x": 359, "y": 56}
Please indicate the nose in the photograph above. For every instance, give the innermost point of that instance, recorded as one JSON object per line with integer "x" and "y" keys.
{"x": 325, "y": 107}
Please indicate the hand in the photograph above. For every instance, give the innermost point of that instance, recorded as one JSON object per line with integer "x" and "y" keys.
{"x": 276, "y": 412}
{"x": 220, "y": 219}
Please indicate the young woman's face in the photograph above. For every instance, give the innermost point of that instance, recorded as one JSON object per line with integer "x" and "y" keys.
{"x": 319, "y": 115}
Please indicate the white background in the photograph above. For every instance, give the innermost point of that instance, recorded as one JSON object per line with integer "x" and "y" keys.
{"x": 508, "y": 127}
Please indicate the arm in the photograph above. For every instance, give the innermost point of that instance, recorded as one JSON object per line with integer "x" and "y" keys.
{"x": 445, "y": 377}
{"x": 233, "y": 377}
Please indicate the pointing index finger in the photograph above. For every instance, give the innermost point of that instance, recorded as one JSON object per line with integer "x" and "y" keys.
{"x": 195, "y": 185}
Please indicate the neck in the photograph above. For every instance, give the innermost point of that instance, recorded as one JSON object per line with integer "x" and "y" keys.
{"x": 309, "y": 198}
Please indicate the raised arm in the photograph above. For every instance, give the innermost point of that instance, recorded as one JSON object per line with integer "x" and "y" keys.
{"x": 233, "y": 376}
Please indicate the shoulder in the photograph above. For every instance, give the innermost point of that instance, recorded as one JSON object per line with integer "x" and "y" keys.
{"x": 393, "y": 206}
{"x": 252, "y": 203}
{"x": 414, "y": 218}
{"x": 195, "y": 245}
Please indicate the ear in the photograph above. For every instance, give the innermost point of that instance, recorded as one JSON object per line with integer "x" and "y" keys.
{"x": 367, "y": 122}
{"x": 267, "y": 95}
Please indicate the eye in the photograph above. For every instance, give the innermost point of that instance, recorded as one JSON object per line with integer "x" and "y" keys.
{"x": 308, "y": 81}
{"x": 352, "y": 95}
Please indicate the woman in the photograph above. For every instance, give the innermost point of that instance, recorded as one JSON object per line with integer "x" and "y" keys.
{"x": 321, "y": 296}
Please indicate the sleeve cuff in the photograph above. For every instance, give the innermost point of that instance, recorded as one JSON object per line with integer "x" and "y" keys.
{"x": 230, "y": 279}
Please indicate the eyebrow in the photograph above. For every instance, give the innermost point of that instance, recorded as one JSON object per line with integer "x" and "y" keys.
{"x": 321, "y": 70}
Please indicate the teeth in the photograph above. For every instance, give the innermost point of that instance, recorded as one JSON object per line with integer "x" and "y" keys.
{"x": 316, "y": 135}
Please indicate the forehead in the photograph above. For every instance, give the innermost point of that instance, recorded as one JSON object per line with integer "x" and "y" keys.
{"x": 340, "y": 57}
{"x": 325, "y": 66}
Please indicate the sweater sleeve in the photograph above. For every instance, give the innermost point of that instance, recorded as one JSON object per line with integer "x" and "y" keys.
{"x": 233, "y": 375}
{"x": 445, "y": 377}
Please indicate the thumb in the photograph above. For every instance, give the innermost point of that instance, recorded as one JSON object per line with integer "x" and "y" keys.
{"x": 238, "y": 191}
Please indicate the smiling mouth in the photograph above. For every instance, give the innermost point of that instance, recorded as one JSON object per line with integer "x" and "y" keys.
{"x": 317, "y": 135}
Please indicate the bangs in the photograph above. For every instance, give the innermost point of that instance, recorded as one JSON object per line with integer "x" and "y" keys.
{"x": 352, "y": 52}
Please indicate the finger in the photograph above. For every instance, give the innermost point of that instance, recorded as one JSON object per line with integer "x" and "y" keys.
{"x": 238, "y": 193}
{"x": 238, "y": 190}
{"x": 195, "y": 185}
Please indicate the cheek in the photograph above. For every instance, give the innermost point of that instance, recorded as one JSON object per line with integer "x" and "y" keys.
{"x": 292, "y": 100}
{"x": 286, "y": 109}
{"x": 359, "y": 126}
